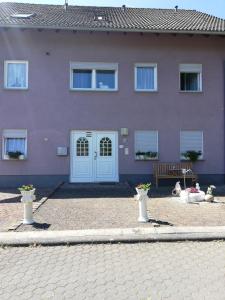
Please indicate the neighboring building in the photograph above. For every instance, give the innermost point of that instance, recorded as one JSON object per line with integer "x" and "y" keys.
{"x": 91, "y": 94}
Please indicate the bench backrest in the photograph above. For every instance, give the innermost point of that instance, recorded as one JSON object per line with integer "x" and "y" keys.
{"x": 164, "y": 168}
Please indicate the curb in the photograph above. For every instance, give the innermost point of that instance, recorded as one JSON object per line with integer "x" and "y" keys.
{"x": 127, "y": 235}
{"x": 36, "y": 206}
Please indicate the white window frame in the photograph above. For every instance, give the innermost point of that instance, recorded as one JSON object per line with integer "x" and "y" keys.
{"x": 145, "y": 65}
{"x": 157, "y": 144}
{"x": 191, "y": 68}
{"x": 94, "y": 67}
{"x": 6, "y": 62}
{"x": 13, "y": 133}
{"x": 202, "y": 146}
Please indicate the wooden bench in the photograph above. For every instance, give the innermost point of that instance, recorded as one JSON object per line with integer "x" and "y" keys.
{"x": 172, "y": 170}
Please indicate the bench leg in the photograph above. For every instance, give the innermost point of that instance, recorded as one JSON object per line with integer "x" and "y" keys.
{"x": 156, "y": 182}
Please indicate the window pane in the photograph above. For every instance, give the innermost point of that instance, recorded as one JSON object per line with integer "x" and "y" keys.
{"x": 16, "y": 75}
{"x": 105, "y": 79}
{"x": 14, "y": 145}
{"x": 82, "y": 147}
{"x": 145, "y": 78}
{"x": 189, "y": 81}
{"x": 82, "y": 79}
{"x": 105, "y": 147}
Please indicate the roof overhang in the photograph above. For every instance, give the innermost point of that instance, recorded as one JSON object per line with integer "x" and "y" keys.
{"x": 192, "y": 32}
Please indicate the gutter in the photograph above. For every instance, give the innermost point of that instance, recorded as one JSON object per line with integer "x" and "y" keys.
{"x": 114, "y": 30}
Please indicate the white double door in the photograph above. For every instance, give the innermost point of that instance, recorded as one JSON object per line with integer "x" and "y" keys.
{"x": 94, "y": 156}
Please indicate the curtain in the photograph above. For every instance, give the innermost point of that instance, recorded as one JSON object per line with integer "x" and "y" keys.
{"x": 105, "y": 79}
{"x": 15, "y": 144}
{"x": 16, "y": 75}
{"x": 190, "y": 81}
{"x": 82, "y": 79}
{"x": 145, "y": 78}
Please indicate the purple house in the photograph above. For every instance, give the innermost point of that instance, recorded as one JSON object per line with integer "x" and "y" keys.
{"x": 97, "y": 94}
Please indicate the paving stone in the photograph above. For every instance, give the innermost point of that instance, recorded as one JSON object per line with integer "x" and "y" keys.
{"x": 94, "y": 207}
{"x": 145, "y": 271}
{"x": 11, "y": 208}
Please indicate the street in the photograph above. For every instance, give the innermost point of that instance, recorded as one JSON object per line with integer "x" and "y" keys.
{"x": 142, "y": 271}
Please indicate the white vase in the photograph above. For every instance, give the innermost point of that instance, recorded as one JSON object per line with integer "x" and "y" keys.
{"x": 142, "y": 192}
{"x": 27, "y": 194}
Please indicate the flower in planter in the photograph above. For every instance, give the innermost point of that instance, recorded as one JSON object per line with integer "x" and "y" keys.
{"x": 144, "y": 186}
{"x": 192, "y": 190}
{"x": 26, "y": 188}
{"x": 14, "y": 154}
{"x": 192, "y": 155}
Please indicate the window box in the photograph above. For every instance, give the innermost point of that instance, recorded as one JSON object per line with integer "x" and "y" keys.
{"x": 145, "y": 77}
{"x": 16, "y": 75}
{"x": 146, "y": 145}
{"x": 93, "y": 77}
{"x": 7, "y": 157}
{"x": 190, "y": 78}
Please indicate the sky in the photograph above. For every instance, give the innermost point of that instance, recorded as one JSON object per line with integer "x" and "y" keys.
{"x": 213, "y": 7}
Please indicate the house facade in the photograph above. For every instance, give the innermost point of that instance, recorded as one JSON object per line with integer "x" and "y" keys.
{"x": 103, "y": 98}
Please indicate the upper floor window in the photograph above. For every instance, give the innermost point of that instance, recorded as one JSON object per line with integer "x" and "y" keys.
{"x": 191, "y": 77}
{"x": 16, "y": 74}
{"x": 14, "y": 144}
{"x": 94, "y": 76}
{"x": 146, "y": 77}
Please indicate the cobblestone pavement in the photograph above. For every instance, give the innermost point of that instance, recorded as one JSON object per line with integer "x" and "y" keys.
{"x": 114, "y": 207}
{"x": 145, "y": 271}
{"x": 11, "y": 209}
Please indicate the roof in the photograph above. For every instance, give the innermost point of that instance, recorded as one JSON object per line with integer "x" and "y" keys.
{"x": 109, "y": 18}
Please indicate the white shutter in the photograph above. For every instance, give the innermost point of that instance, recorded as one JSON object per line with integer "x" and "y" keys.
{"x": 146, "y": 141}
{"x": 191, "y": 68}
{"x": 191, "y": 140}
{"x": 15, "y": 133}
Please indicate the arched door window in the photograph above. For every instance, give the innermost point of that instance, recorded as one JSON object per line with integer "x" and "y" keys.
{"x": 105, "y": 147}
{"x": 82, "y": 147}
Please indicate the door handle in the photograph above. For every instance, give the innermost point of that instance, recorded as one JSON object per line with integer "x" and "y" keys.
{"x": 95, "y": 156}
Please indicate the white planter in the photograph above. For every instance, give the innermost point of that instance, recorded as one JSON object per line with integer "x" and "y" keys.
{"x": 142, "y": 192}
{"x": 27, "y": 194}
{"x": 186, "y": 197}
{"x": 21, "y": 157}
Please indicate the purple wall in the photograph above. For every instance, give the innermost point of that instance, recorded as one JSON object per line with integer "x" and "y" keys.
{"x": 49, "y": 109}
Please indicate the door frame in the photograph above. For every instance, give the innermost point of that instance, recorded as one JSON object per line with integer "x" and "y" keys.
{"x": 73, "y": 131}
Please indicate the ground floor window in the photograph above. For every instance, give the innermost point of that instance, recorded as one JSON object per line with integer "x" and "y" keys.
{"x": 14, "y": 144}
{"x": 191, "y": 141}
{"x": 146, "y": 144}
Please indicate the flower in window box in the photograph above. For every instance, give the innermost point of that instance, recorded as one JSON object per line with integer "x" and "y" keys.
{"x": 192, "y": 155}
{"x": 140, "y": 155}
{"x": 151, "y": 155}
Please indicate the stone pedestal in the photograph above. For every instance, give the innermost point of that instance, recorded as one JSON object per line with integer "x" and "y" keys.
{"x": 27, "y": 200}
{"x": 142, "y": 204}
